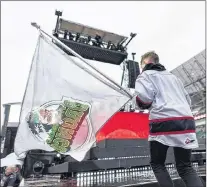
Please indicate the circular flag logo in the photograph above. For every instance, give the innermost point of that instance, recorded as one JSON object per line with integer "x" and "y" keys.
{"x": 63, "y": 125}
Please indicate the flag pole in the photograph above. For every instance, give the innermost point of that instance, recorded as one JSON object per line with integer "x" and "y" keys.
{"x": 81, "y": 58}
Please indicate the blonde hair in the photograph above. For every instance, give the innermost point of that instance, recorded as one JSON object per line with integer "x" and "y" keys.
{"x": 152, "y": 55}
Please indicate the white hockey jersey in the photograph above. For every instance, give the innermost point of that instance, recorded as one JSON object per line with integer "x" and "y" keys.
{"x": 171, "y": 119}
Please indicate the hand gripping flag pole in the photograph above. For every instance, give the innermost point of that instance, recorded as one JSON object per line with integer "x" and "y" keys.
{"x": 83, "y": 60}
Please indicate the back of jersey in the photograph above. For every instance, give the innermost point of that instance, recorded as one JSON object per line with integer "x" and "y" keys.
{"x": 170, "y": 98}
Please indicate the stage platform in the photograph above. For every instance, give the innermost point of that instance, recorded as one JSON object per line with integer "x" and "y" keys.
{"x": 142, "y": 176}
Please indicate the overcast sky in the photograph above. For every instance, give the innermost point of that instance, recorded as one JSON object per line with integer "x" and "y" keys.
{"x": 175, "y": 30}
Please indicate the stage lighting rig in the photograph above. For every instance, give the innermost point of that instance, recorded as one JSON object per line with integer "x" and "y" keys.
{"x": 132, "y": 35}
{"x": 77, "y": 37}
{"x": 91, "y": 43}
{"x": 113, "y": 47}
{"x": 88, "y": 40}
{"x": 99, "y": 41}
{"x": 133, "y": 56}
{"x": 56, "y": 35}
{"x": 58, "y": 14}
{"x": 94, "y": 43}
{"x": 71, "y": 36}
{"x": 89, "y": 31}
{"x": 82, "y": 40}
{"x": 120, "y": 47}
{"x": 65, "y": 34}
{"x": 109, "y": 45}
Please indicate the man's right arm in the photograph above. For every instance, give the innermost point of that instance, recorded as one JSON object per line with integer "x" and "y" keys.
{"x": 144, "y": 92}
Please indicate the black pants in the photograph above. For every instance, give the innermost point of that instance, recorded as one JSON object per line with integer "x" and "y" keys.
{"x": 185, "y": 170}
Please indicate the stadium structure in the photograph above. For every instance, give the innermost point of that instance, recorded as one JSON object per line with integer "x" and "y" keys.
{"x": 121, "y": 155}
{"x": 193, "y": 75}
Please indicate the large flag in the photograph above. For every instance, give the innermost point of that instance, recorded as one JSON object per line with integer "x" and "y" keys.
{"x": 64, "y": 105}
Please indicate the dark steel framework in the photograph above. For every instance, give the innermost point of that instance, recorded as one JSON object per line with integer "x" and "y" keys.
{"x": 92, "y": 43}
{"x": 193, "y": 75}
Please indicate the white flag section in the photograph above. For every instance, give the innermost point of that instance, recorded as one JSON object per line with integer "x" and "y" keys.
{"x": 64, "y": 106}
{"x": 10, "y": 160}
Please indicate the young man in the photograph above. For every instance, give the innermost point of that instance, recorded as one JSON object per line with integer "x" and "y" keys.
{"x": 12, "y": 179}
{"x": 171, "y": 120}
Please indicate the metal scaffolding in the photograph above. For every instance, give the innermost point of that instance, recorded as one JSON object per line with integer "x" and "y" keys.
{"x": 193, "y": 75}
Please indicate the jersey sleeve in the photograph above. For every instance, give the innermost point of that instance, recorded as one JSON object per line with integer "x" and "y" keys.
{"x": 144, "y": 92}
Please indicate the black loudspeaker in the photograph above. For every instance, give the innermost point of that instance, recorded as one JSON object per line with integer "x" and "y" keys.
{"x": 134, "y": 71}
{"x": 36, "y": 163}
{"x": 94, "y": 52}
